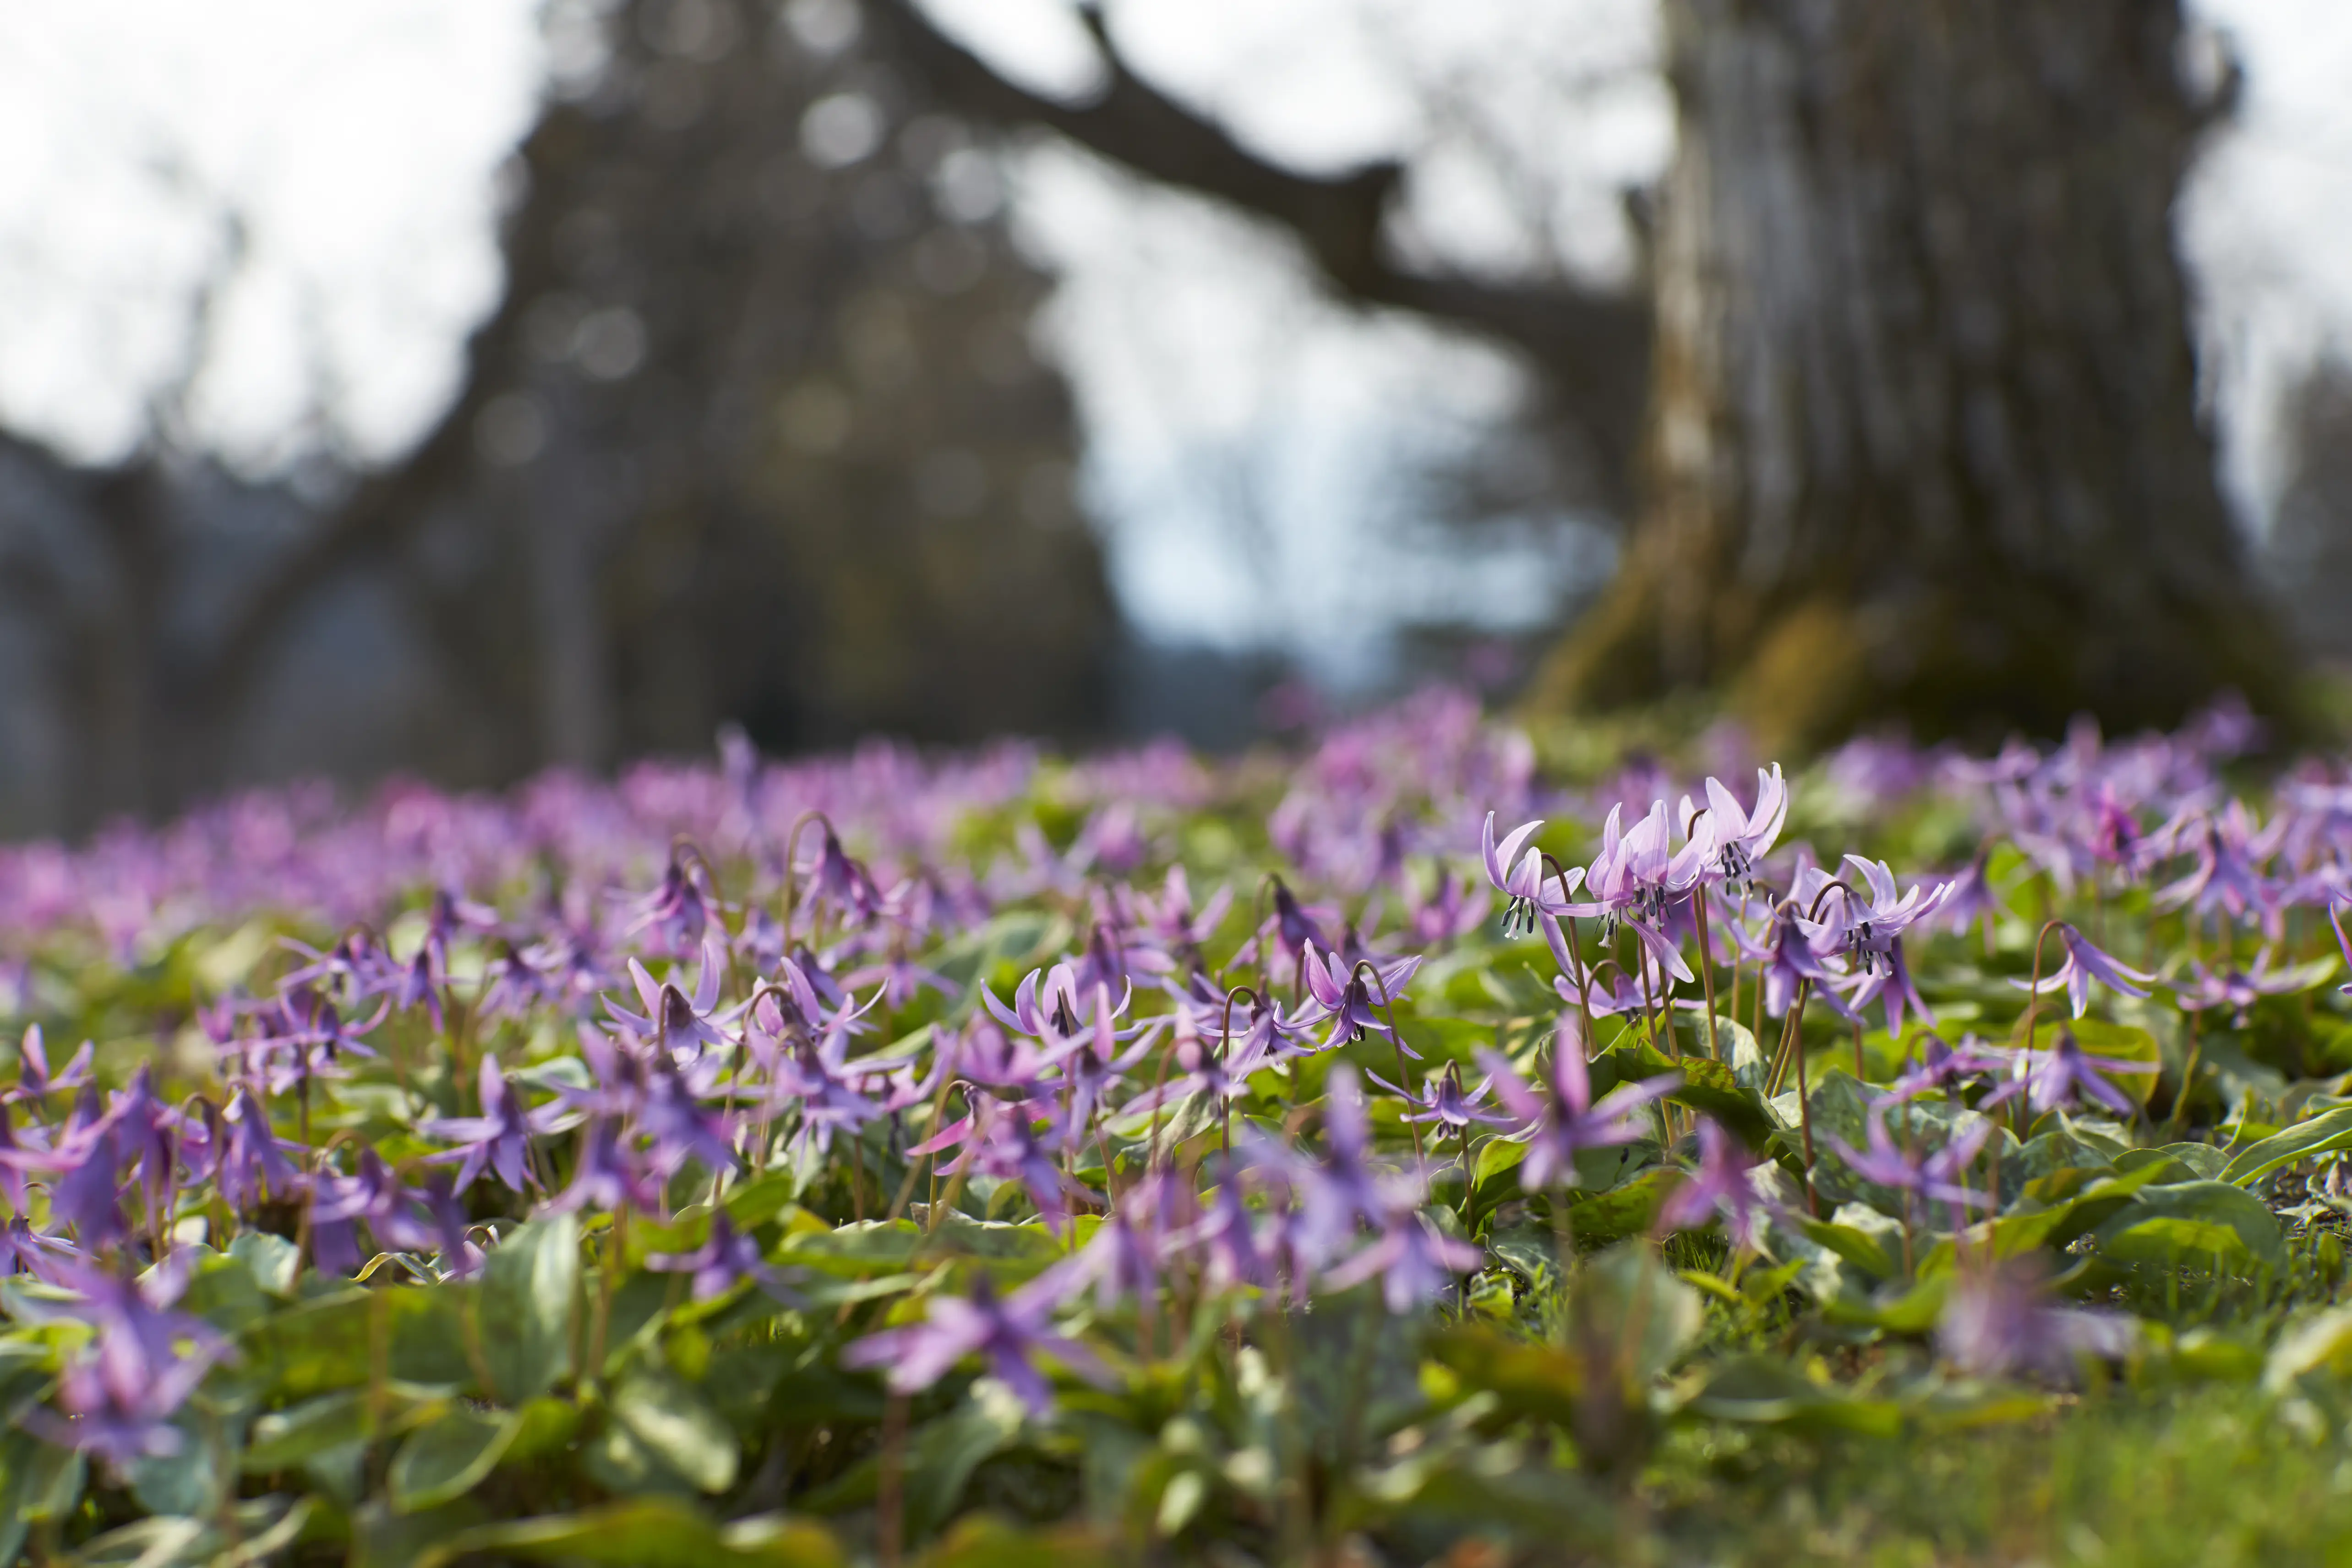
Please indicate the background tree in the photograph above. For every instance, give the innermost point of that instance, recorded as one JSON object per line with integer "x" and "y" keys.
{"x": 1909, "y": 417}
{"x": 2311, "y": 541}
{"x": 755, "y": 433}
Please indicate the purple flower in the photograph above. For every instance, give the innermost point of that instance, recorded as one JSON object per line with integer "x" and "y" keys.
{"x": 902, "y": 980}
{"x": 118, "y": 1398}
{"x": 1003, "y": 1141}
{"x": 1562, "y": 1121}
{"x": 1737, "y": 839}
{"x": 611, "y": 1176}
{"x": 684, "y": 1026}
{"x": 2002, "y": 1323}
{"x": 726, "y": 1258}
{"x": 1227, "y": 1239}
{"x": 1518, "y": 878}
{"x": 1942, "y": 1068}
{"x": 1341, "y": 994}
{"x": 1447, "y": 913}
{"x": 1635, "y": 880}
{"x": 1789, "y": 961}
{"x": 500, "y": 1138}
{"x": 1891, "y": 981}
{"x": 842, "y": 883}
{"x": 25, "y": 1249}
{"x": 1294, "y": 924}
{"x": 2239, "y": 989}
{"x": 2227, "y": 876}
{"x": 1268, "y": 1036}
{"x": 1059, "y": 1014}
{"x": 2085, "y": 964}
{"x": 1723, "y": 1185}
{"x": 1345, "y": 1187}
{"x": 1008, "y": 1334}
{"x": 250, "y": 1161}
{"x": 1866, "y": 930}
{"x": 1125, "y": 1255}
{"x": 818, "y": 1074}
{"x": 1413, "y": 1260}
{"x": 679, "y": 1131}
{"x": 679, "y": 909}
{"x": 401, "y": 1220}
{"x": 34, "y": 1083}
{"x": 2065, "y": 1073}
{"x": 1930, "y": 1173}
{"x": 1444, "y": 1101}
{"x": 1970, "y": 902}
{"x": 1172, "y": 921}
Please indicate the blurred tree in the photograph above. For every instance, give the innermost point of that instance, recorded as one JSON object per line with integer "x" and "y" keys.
{"x": 756, "y": 432}
{"x": 1909, "y": 417}
{"x": 2311, "y": 538}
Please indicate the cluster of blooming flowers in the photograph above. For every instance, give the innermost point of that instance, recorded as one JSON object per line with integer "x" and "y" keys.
{"x": 708, "y": 1031}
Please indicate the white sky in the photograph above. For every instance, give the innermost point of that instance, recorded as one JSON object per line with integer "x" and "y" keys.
{"x": 358, "y": 141}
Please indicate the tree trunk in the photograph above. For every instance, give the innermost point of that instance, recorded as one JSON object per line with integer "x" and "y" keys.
{"x": 1923, "y": 435}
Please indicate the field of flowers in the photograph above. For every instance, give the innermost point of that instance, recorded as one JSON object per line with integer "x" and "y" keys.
{"x": 1426, "y": 1146}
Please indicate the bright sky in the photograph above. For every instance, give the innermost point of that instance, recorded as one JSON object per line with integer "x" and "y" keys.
{"x": 358, "y": 145}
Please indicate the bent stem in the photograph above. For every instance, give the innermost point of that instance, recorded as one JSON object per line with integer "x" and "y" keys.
{"x": 1396, "y": 1038}
{"x": 791, "y": 848}
{"x": 1795, "y": 1041}
{"x": 1705, "y": 954}
{"x": 1575, "y": 948}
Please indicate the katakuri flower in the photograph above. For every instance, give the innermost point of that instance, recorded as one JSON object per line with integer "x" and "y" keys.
{"x": 2084, "y": 963}
{"x": 1008, "y": 1334}
{"x": 1560, "y": 1117}
{"x": 1725, "y": 1185}
{"x": 1341, "y": 994}
{"x": 2065, "y": 1074}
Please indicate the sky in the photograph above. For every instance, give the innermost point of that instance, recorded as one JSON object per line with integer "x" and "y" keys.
{"x": 340, "y": 165}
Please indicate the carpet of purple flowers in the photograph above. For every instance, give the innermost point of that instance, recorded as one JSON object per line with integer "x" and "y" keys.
{"x": 1422, "y": 1147}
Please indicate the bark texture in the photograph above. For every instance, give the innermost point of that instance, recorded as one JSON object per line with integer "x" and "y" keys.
{"x": 1923, "y": 435}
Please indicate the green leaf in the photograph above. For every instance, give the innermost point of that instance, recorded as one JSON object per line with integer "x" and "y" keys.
{"x": 1912, "y": 1312}
{"x": 53, "y": 1484}
{"x": 678, "y": 1428}
{"x": 1855, "y": 1245}
{"x": 1767, "y": 1391}
{"x": 2321, "y": 1341}
{"x": 944, "y": 1454}
{"x": 187, "y": 1481}
{"x": 939, "y": 1460}
{"x": 1708, "y": 1085}
{"x": 265, "y": 1527}
{"x": 1013, "y": 1251}
{"x": 2164, "y": 1223}
{"x": 1626, "y": 1209}
{"x": 284, "y": 1439}
{"x": 644, "y": 1533}
{"x": 275, "y": 1261}
{"x": 526, "y": 1308}
{"x": 444, "y": 1460}
{"x": 985, "y": 1540}
{"x": 1629, "y": 1299}
{"x": 2322, "y": 1135}
{"x": 2166, "y": 1241}
{"x": 1528, "y": 1378}
{"x": 331, "y": 1342}
{"x": 1498, "y": 1158}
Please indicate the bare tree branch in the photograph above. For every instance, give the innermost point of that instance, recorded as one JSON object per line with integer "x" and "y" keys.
{"x": 1591, "y": 345}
